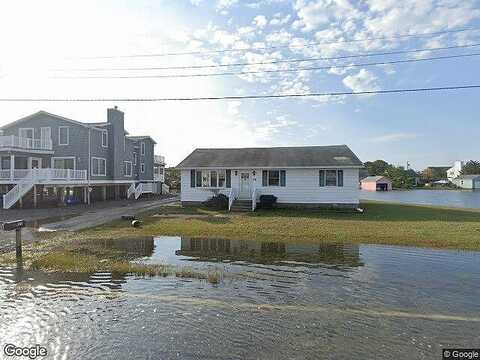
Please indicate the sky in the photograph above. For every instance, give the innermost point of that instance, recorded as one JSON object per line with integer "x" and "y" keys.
{"x": 47, "y": 46}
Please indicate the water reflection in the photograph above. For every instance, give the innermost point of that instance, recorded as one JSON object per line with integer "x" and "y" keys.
{"x": 264, "y": 252}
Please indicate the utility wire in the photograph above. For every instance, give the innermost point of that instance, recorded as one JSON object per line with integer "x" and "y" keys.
{"x": 198, "y": 52}
{"x": 244, "y": 97}
{"x": 275, "y": 61}
{"x": 267, "y": 71}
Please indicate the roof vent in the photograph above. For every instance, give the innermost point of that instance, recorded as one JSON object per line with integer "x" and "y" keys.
{"x": 341, "y": 158}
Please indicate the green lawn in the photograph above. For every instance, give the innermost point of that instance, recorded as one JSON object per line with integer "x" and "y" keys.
{"x": 382, "y": 223}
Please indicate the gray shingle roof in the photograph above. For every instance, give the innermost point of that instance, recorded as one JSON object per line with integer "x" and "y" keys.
{"x": 302, "y": 156}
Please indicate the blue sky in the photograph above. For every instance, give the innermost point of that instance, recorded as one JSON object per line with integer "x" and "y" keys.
{"x": 424, "y": 129}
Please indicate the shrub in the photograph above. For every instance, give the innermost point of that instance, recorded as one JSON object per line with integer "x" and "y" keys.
{"x": 217, "y": 202}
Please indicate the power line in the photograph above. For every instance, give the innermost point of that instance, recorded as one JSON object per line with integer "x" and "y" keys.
{"x": 234, "y": 73}
{"x": 275, "y": 61}
{"x": 245, "y": 97}
{"x": 198, "y": 52}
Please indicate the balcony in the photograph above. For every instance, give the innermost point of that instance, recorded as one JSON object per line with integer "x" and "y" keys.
{"x": 20, "y": 143}
{"x": 159, "y": 159}
{"x": 42, "y": 175}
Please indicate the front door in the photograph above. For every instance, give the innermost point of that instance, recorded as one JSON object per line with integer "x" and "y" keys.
{"x": 245, "y": 185}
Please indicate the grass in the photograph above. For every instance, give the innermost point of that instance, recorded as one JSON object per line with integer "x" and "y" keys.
{"x": 381, "y": 223}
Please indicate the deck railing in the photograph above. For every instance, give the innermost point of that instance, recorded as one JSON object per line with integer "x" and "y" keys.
{"x": 12, "y": 141}
{"x": 43, "y": 175}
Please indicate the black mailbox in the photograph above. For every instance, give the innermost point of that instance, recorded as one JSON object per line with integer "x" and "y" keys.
{"x": 13, "y": 225}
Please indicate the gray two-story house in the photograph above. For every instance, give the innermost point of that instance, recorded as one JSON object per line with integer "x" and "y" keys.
{"x": 48, "y": 158}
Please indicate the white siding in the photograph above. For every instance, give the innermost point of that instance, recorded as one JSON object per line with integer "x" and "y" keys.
{"x": 301, "y": 187}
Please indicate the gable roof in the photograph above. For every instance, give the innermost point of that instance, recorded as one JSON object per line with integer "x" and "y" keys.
{"x": 375, "y": 179}
{"x": 41, "y": 112}
{"x": 302, "y": 156}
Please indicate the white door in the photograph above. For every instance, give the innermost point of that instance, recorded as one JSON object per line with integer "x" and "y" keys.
{"x": 245, "y": 185}
{"x": 45, "y": 136}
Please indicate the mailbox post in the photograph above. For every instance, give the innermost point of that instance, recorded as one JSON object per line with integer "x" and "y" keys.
{"x": 16, "y": 225}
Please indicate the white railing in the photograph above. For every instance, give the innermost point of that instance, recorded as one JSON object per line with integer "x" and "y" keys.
{"x": 10, "y": 198}
{"x": 143, "y": 188}
{"x": 159, "y": 159}
{"x": 13, "y": 141}
{"x": 40, "y": 175}
{"x": 231, "y": 198}
{"x": 165, "y": 189}
{"x": 131, "y": 190}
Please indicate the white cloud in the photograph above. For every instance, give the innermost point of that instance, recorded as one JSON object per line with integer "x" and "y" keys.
{"x": 394, "y": 137}
{"x": 362, "y": 81}
{"x": 196, "y": 2}
{"x": 278, "y": 20}
{"x": 260, "y": 21}
{"x": 225, "y": 4}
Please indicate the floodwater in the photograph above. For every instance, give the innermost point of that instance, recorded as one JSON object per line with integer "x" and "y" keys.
{"x": 453, "y": 198}
{"x": 276, "y": 301}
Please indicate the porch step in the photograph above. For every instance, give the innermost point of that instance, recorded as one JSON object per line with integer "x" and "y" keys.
{"x": 242, "y": 205}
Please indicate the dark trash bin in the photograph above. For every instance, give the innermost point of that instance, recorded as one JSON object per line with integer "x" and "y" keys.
{"x": 268, "y": 201}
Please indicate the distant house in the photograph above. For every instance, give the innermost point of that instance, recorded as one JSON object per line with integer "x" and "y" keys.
{"x": 322, "y": 176}
{"x": 467, "y": 181}
{"x": 435, "y": 173}
{"x": 376, "y": 183}
{"x": 455, "y": 171}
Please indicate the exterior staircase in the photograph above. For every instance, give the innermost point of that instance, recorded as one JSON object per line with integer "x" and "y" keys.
{"x": 10, "y": 198}
{"x": 241, "y": 205}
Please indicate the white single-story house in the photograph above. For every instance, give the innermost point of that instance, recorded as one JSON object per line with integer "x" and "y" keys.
{"x": 323, "y": 176}
{"x": 467, "y": 181}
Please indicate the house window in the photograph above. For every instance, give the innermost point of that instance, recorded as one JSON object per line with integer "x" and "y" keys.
{"x": 105, "y": 138}
{"x": 99, "y": 166}
{"x": 330, "y": 178}
{"x": 160, "y": 170}
{"x": 63, "y": 163}
{"x": 142, "y": 167}
{"x": 135, "y": 159}
{"x": 274, "y": 178}
{"x": 142, "y": 148}
{"x": 208, "y": 178}
{"x": 63, "y": 135}
{"x": 128, "y": 168}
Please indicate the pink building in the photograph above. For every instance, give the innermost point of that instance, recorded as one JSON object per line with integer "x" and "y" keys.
{"x": 376, "y": 183}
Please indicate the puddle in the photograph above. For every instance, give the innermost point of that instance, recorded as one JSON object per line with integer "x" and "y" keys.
{"x": 285, "y": 301}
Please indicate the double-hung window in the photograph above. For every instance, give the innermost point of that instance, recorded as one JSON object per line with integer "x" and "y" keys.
{"x": 142, "y": 167}
{"x": 330, "y": 177}
{"x": 274, "y": 178}
{"x": 105, "y": 138}
{"x": 99, "y": 166}
{"x": 128, "y": 168}
{"x": 63, "y": 135}
{"x": 142, "y": 149}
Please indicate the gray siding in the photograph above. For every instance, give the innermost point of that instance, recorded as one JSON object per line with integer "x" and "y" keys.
{"x": 119, "y": 150}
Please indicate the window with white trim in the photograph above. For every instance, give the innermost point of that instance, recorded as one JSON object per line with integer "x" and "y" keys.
{"x": 99, "y": 166}
{"x": 274, "y": 177}
{"x": 142, "y": 148}
{"x": 142, "y": 167}
{"x": 127, "y": 168}
{"x": 63, "y": 135}
{"x": 330, "y": 177}
{"x": 209, "y": 178}
{"x": 135, "y": 156}
{"x": 63, "y": 163}
{"x": 105, "y": 138}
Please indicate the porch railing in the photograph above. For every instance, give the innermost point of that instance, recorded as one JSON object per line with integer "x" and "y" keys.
{"x": 40, "y": 175}
{"x": 12, "y": 141}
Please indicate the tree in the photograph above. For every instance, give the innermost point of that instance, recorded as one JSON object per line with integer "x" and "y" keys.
{"x": 376, "y": 167}
{"x": 172, "y": 178}
{"x": 472, "y": 167}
